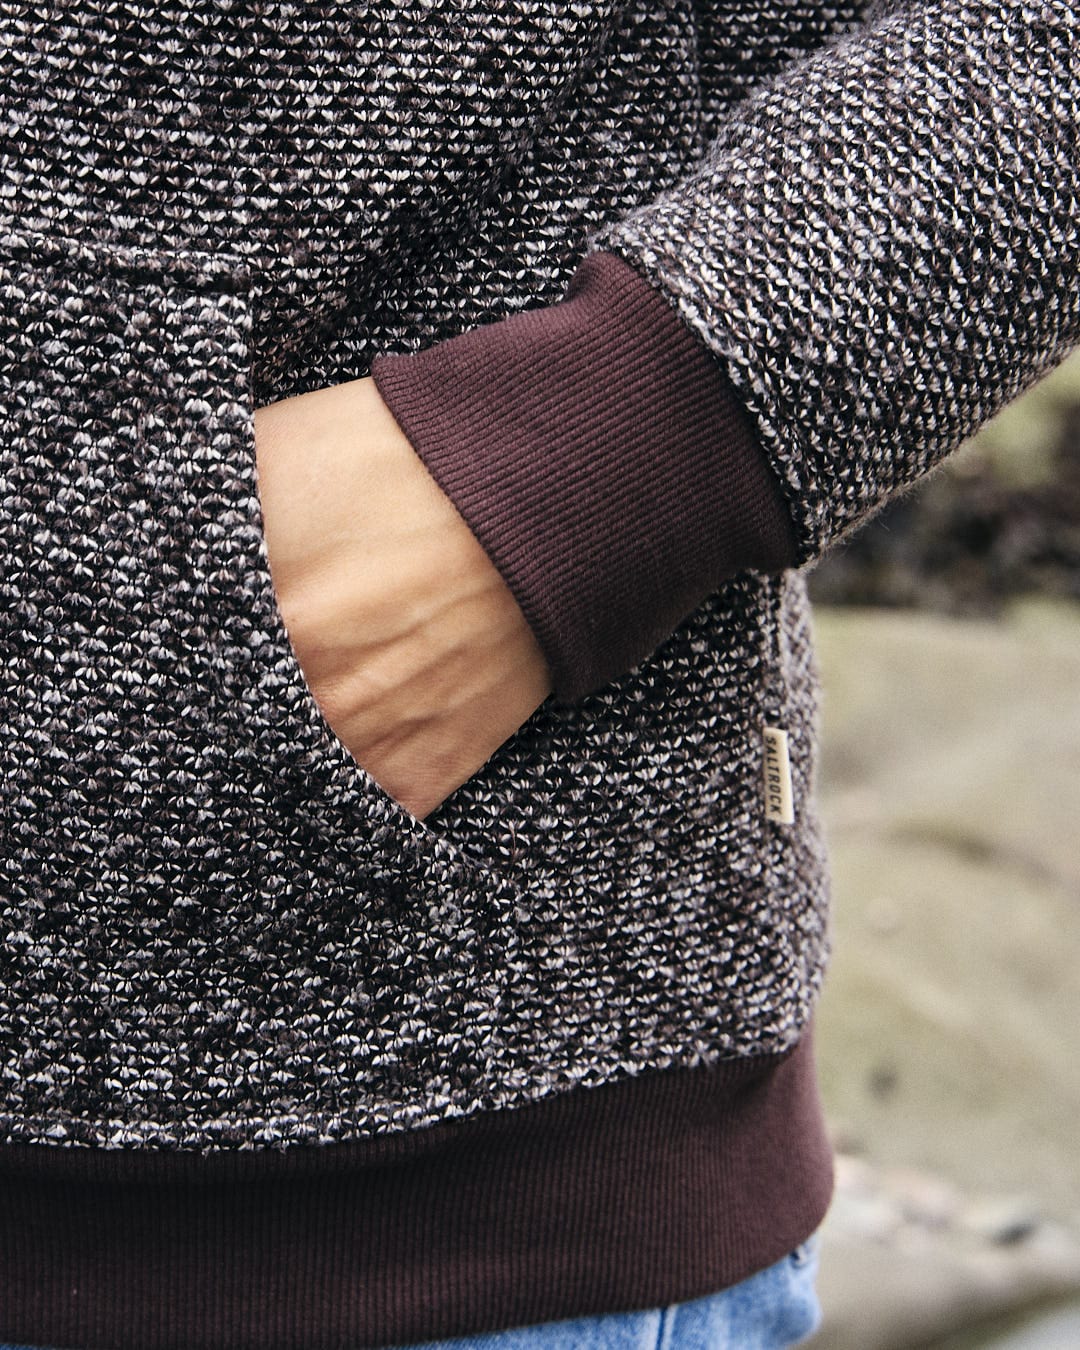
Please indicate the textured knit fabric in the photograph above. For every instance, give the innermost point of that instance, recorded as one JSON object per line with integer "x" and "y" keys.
{"x": 836, "y": 239}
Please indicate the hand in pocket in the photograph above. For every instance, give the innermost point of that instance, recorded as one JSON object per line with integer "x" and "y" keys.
{"x": 409, "y": 639}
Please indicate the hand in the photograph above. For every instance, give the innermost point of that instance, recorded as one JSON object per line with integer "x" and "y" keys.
{"x": 409, "y": 639}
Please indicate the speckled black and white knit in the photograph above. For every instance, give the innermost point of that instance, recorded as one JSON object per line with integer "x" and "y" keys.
{"x": 219, "y": 931}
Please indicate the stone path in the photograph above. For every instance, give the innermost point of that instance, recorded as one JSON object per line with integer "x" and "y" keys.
{"x": 1058, "y": 1331}
{"x": 949, "y": 1030}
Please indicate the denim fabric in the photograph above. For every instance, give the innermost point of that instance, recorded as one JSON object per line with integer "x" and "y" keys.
{"x": 776, "y": 1308}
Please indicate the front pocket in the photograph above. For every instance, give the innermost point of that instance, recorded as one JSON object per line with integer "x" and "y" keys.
{"x": 216, "y": 929}
{"x": 214, "y": 921}
{"x": 139, "y": 605}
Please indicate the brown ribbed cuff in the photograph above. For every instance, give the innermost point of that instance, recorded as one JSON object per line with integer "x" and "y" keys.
{"x": 601, "y": 457}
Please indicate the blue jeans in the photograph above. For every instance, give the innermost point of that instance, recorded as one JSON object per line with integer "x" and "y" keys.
{"x": 771, "y": 1310}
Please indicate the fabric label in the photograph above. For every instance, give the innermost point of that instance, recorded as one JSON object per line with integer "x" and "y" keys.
{"x": 779, "y": 805}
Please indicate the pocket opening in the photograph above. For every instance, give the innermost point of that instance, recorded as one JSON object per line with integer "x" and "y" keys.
{"x": 173, "y": 330}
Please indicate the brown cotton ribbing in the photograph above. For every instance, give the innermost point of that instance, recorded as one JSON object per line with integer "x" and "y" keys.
{"x": 662, "y": 1187}
{"x": 599, "y": 454}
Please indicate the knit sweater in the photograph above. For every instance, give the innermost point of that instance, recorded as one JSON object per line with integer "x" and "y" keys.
{"x": 668, "y": 298}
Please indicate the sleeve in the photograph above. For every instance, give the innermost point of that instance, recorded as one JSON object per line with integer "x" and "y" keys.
{"x": 879, "y": 250}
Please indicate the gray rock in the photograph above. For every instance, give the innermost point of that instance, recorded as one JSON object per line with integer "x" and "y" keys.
{"x": 1056, "y": 1331}
{"x": 949, "y": 1030}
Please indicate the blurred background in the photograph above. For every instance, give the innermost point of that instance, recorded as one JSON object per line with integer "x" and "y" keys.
{"x": 948, "y": 1035}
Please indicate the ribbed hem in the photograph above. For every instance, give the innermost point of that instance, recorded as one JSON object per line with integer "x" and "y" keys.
{"x": 655, "y": 1189}
{"x": 602, "y": 459}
